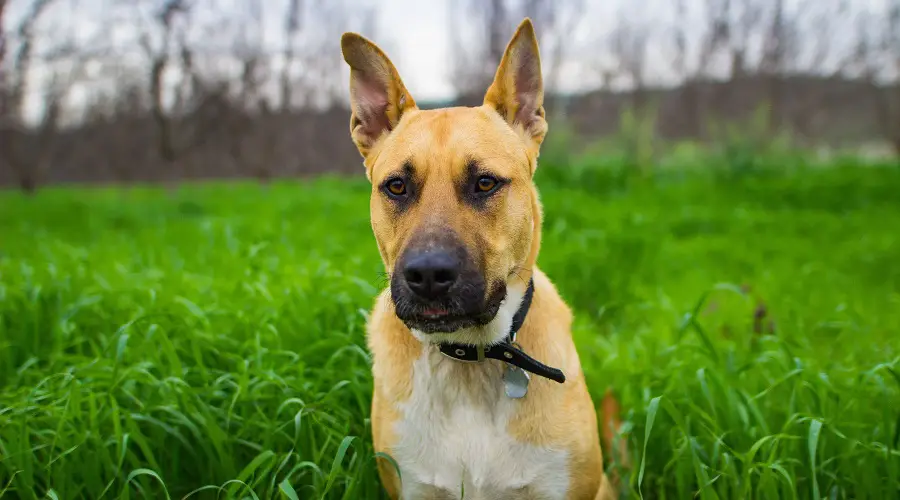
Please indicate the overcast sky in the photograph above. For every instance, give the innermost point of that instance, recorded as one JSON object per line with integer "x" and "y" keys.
{"x": 423, "y": 65}
{"x": 415, "y": 34}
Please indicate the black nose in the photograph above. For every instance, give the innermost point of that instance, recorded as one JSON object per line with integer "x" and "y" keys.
{"x": 430, "y": 275}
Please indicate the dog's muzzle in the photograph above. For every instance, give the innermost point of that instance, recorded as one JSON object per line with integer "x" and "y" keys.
{"x": 437, "y": 285}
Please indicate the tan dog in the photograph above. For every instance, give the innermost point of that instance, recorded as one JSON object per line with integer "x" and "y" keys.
{"x": 460, "y": 401}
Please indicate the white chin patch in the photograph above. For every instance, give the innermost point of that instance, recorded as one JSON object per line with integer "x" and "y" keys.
{"x": 488, "y": 334}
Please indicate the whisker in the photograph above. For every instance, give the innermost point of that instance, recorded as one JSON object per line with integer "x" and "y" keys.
{"x": 516, "y": 270}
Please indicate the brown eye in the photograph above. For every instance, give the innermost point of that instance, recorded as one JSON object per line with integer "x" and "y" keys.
{"x": 397, "y": 187}
{"x": 486, "y": 184}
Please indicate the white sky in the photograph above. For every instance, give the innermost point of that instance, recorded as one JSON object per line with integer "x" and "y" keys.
{"x": 421, "y": 47}
{"x": 414, "y": 33}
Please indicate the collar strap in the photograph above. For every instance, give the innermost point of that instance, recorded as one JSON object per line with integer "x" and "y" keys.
{"x": 506, "y": 350}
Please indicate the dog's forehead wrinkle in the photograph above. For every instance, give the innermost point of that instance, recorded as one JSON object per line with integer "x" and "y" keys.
{"x": 442, "y": 154}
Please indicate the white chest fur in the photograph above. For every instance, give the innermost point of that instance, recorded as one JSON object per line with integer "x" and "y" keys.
{"x": 453, "y": 438}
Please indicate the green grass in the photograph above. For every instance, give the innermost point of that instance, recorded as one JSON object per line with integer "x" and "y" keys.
{"x": 159, "y": 344}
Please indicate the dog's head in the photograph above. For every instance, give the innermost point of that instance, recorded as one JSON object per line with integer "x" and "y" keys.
{"x": 453, "y": 206}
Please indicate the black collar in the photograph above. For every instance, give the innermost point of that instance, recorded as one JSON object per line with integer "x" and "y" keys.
{"x": 506, "y": 350}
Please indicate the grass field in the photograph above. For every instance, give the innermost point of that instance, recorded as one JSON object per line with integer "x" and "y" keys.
{"x": 159, "y": 344}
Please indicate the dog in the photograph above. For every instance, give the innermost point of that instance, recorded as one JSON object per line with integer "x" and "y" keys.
{"x": 478, "y": 388}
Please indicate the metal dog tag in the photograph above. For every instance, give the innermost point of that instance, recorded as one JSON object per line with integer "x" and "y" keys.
{"x": 515, "y": 381}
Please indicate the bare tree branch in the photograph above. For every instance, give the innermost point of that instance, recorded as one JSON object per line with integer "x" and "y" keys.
{"x": 14, "y": 88}
{"x": 292, "y": 26}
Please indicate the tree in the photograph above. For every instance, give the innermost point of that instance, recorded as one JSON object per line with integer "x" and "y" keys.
{"x": 27, "y": 159}
{"x": 480, "y": 29}
{"x": 888, "y": 91}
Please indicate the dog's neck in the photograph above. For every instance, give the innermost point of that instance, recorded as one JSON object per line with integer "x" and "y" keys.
{"x": 469, "y": 346}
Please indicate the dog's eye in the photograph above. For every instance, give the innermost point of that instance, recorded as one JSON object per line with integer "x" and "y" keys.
{"x": 486, "y": 184}
{"x": 396, "y": 187}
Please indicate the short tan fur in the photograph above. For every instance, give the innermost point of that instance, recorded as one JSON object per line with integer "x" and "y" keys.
{"x": 429, "y": 408}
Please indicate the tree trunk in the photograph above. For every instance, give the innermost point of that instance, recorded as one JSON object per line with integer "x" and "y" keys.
{"x": 28, "y": 182}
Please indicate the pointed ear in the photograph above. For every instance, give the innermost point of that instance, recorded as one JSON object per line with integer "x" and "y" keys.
{"x": 378, "y": 97}
{"x": 517, "y": 92}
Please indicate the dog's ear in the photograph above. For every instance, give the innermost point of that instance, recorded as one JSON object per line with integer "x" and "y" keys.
{"x": 517, "y": 92}
{"x": 378, "y": 97}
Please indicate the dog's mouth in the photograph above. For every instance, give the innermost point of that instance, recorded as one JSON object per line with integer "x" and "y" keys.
{"x": 439, "y": 286}
{"x": 449, "y": 315}
{"x": 435, "y": 312}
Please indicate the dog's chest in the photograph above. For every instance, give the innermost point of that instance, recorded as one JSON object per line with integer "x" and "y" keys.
{"x": 453, "y": 438}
